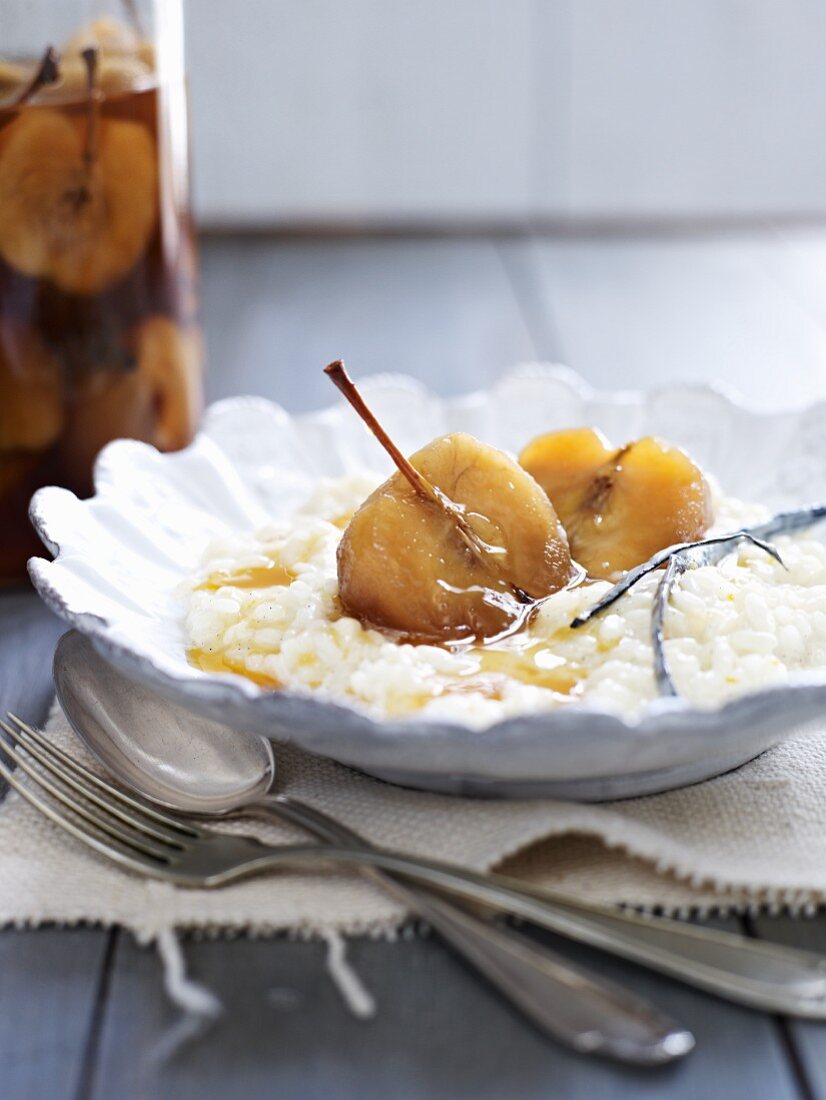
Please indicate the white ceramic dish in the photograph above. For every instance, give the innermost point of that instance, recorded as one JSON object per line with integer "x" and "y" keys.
{"x": 121, "y": 555}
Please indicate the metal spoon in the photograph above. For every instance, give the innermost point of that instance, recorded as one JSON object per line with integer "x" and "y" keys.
{"x": 199, "y": 767}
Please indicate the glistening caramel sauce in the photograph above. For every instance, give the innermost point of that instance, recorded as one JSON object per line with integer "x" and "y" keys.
{"x": 513, "y": 657}
{"x": 269, "y": 574}
{"x": 499, "y": 664}
{"x": 516, "y": 658}
{"x": 208, "y": 660}
{"x": 535, "y": 664}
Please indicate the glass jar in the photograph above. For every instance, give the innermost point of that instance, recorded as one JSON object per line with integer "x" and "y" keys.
{"x": 99, "y": 333}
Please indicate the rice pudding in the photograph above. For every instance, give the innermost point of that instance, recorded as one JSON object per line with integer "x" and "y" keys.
{"x": 457, "y": 588}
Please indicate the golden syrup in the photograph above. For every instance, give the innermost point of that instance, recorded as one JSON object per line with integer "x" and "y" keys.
{"x": 208, "y": 660}
{"x": 514, "y": 657}
{"x": 270, "y": 575}
{"x": 535, "y": 664}
{"x": 488, "y": 685}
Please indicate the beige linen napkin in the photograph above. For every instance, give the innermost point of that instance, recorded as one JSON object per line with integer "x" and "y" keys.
{"x": 756, "y": 836}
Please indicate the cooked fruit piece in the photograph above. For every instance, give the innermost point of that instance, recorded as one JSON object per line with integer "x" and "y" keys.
{"x": 619, "y": 506}
{"x": 565, "y": 462}
{"x": 125, "y": 60}
{"x": 403, "y": 566}
{"x": 20, "y": 84}
{"x": 115, "y": 74}
{"x": 113, "y": 39}
{"x": 123, "y": 74}
{"x": 78, "y": 198}
{"x": 169, "y": 364}
{"x": 31, "y": 396}
{"x": 454, "y": 545}
{"x": 108, "y": 35}
{"x": 157, "y": 402}
{"x": 13, "y": 77}
{"x": 104, "y": 406}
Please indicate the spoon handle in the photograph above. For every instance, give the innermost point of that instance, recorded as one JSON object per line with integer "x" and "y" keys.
{"x": 581, "y": 1010}
{"x": 764, "y": 976}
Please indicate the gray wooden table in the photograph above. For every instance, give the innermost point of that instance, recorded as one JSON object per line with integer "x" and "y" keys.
{"x": 82, "y": 1010}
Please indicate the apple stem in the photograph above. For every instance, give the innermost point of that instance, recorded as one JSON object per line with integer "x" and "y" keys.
{"x": 48, "y": 72}
{"x": 338, "y": 375}
{"x": 90, "y": 59}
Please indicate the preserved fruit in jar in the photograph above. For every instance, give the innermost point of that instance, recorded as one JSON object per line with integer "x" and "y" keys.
{"x": 99, "y": 332}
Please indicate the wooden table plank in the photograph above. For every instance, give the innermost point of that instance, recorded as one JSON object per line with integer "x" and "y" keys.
{"x": 439, "y": 1033}
{"x": 49, "y": 979}
{"x": 27, "y": 639}
{"x": 807, "y": 1039}
{"x": 277, "y": 311}
{"x": 643, "y": 312}
{"x": 50, "y": 983}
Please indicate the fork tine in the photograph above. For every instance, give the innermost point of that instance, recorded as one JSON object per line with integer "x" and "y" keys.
{"x": 78, "y": 778}
{"x": 83, "y": 772}
{"x": 107, "y": 826}
{"x": 109, "y": 848}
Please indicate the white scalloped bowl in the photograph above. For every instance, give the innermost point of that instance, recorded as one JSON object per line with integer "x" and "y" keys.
{"x": 121, "y": 555}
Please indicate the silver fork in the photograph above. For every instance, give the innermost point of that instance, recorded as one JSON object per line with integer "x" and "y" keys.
{"x": 584, "y": 1011}
{"x": 151, "y": 842}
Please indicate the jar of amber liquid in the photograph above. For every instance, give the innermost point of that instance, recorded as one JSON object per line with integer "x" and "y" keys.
{"x": 99, "y": 334}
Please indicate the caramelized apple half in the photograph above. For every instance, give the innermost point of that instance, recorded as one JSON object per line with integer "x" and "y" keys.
{"x": 619, "y": 505}
{"x": 402, "y": 566}
{"x": 458, "y": 544}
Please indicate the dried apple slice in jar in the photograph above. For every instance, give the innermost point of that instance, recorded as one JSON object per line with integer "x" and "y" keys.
{"x": 13, "y": 78}
{"x": 112, "y": 38}
{"x": 31, "y": 392}
{"x": 157, "y": 400}
{"x": 31, "y": 402}
{"x": 126, "y": 61}
{"x": 115, "y": 74}
{"x": 456, "y": 545}
{"x": 169, "y": 360}
{"x": 78, "y": 196}
{"x": 619, "y": 506}
{"x": 22, "y": 82}
{"x": 105, "y": 405}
